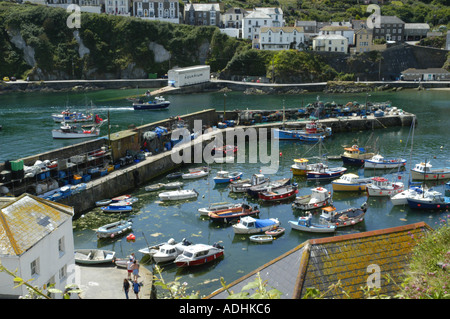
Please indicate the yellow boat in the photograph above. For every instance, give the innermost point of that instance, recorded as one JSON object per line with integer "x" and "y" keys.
{"x": 300, "y": 167}
{"x": 355, "y": 156}
{"x": 350, "y": 183}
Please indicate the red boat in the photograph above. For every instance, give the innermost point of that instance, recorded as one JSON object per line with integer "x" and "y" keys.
{"x": 279, "y": 193}
{"x": 199, "y": 254}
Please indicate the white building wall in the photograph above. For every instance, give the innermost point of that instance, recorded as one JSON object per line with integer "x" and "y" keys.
{"x": 188, "y": 76}
{"x": 50, "y": 262}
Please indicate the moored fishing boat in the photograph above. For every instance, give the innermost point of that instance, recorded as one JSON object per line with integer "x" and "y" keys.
{"x": 228, "y": 216}
{"x": 173, "y": 185}
{"x": 355, "y": 155}
{"x": 350, "y": 183}
{"x": 255, "y": 190}
{"x": 304, "y": 223}
{"x": 68, "y": 116}
{"x": 381, "y": 186}
{"x": 346, "y": 217}
{"x": 168, "y": 252}
{"x": 278, "y": 193}
{"x": 117, "y": 209}
{"x": 178, "y": 194}
{"x": 199, "y": 173}
{"x": 114, "y": 229}
{"x": 429, "y": 200}
{"x": 323, "y": 172}
{"x": 199, "y": 254}
{"x": 250, "y": 225}
{"x": 68, "y": 131}
{"x": 319, "y": 197}
{"x": 241, "y": 186}
{"x": 220, "y": 207}
{"x": 423, "y": 171}
{"x": 300, "y": 167}
{"x": 226, "y": 177}
{"x": 379, "y": 162}
{"x": 402, "y": 197}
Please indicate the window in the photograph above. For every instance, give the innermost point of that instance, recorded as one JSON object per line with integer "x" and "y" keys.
{"x": 63, "y": 272}
{"x": 35, "y": 267}
{"x": 61, "y": 247}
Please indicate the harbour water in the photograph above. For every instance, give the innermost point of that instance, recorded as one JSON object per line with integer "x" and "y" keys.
{"x": 27, "y": 130}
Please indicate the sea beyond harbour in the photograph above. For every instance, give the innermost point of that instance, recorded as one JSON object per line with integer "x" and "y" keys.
{"x": 27, "y": 124}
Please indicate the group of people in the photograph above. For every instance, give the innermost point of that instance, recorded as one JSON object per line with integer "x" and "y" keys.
{"x": 132, "y": 270}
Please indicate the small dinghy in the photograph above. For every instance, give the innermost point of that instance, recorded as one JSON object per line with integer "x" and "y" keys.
{"x": 178, "y": 194}
{"x": 174, "y": 175}
{"x": 154, "y": 187}
{"x": 117, "y": 209}
{"x": 103, "y": 202}
{"x": 173, "y": 185}
{"x": 114, "y": 229}
{"x": 261, "y": 238}
{"x": 94, "y": 256}
{"x": 275, "y": 232}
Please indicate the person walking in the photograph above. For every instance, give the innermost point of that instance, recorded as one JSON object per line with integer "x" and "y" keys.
{"x": 126, "y": 287}
{"x": 130, "y": 268}
{"x": 135, "y": 270}
{"x": 136, "y": 288}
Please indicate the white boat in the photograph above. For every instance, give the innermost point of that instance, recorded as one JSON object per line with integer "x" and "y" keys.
{"x": 250, "y": 225}
{"x": 68, "y": 116}
{"x": 168, "y": 252}
{"x": 346, "y": 217}
{"x": 199, "y": 254}
{"x": 103, "y": 202}
{"x": 379, "y": 162}
{"x": 68, "y": 131}
{"x": 424, "y": 172}
{"x": 261, "y": 238}
{"x": 178, "y": 194}
{"x": 195, "y": 174}
{"x": 94, "y": 256}
{"x": 114, "y": 229}
{"x": 151, "y": 250}
{"x": 220, "y": 207}
{"x": 304, "y": 224}
{"x": 154, "y": 187}
{"x": 402, "y": 197}
{"x": 173, "y": 185}
{"x": 381, "y": 186}
{"x": 319, "y": 197}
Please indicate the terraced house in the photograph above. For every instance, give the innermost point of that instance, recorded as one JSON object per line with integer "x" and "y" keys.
{"x": 281, "y": 38}
{"x": 160, "y": 10}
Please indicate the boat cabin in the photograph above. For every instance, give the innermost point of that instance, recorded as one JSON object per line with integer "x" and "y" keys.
{"x": 319, "y": 193}
{"x": 351, "y": 178}
{"x": 380, "y": 181}
{"x": 305, "y": 221}
{"x": 301, "y": 162}
{"x": 423, "y": 167}
{"x": 328, "y": 212}
{"x": 257, "y": 179}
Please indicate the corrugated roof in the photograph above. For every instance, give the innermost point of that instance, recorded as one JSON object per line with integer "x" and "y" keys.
{"x": 319, "y": 263}
{"x": 26, "y": 220}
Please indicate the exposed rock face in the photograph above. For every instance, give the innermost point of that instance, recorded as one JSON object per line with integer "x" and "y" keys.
{"x": 82, "y": 50}
{"x": 19, "y": 42}
{"x": 160, "y": 53}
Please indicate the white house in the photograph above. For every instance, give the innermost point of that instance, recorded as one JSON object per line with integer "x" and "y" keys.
{"x": 117, "y": 7}
{"x": 260, "y": 17}
{"x": 343, "y": 30}
{"x": 36, "y": 239}
{"x": 281, "y": 38}
{"x": 330, "y": 43}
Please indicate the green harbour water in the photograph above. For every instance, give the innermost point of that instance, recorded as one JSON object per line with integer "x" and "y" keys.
{"x": 27, "y": 124}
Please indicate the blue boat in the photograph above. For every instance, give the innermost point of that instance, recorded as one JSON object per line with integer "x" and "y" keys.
{"x": 226, "y": 177}
{"x": 355, "y": 156}
{"x": 114, "y": 229}
{"x": 298, "y": 135}
{"x": 117, "y": 209}
{"x": 429, "y": 200}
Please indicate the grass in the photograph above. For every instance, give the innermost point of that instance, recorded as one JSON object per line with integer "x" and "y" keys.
{"x": 429, "y": 268}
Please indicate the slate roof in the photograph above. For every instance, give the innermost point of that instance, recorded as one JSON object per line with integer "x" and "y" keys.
{"x": 27, "y": 219}
{"x": 284, "y": 29}
{"x": 322, "y": 262}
